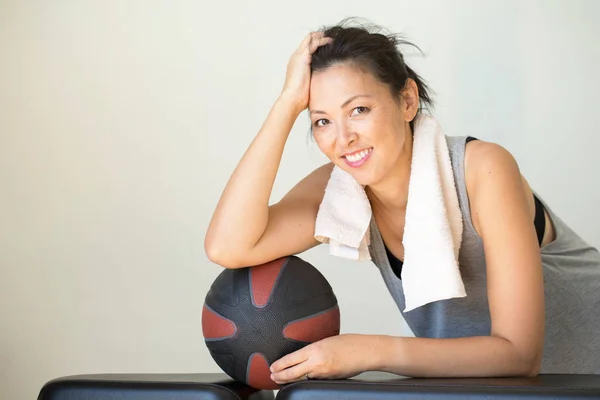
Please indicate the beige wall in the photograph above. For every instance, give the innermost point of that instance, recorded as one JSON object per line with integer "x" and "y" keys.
{"x": 120, "y": 122}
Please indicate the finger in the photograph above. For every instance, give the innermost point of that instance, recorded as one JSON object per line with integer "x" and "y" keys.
{"x": 289, "y": 360}
{"x": 318, "y": 42}
{"x": 299, "y": 372}
{"x": 308, "y": 38}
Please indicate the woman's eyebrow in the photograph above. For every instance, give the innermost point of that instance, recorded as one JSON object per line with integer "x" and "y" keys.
{"x": 344, "y": 104}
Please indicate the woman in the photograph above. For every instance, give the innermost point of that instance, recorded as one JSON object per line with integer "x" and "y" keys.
{"x": 532, "y": 284}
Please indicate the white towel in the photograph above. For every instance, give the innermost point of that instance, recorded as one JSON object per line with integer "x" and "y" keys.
{"x": 433, "y": 221}
{"x": 343, "y": 217}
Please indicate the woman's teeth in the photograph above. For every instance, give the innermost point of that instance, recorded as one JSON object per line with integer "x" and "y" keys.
{"x": 358, "y": 156}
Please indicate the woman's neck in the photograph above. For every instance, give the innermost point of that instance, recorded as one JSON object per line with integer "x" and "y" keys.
{"x": 391, "y": 193}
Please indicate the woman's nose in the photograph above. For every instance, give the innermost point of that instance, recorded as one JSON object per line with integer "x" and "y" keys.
{"x": 346, "y": 135}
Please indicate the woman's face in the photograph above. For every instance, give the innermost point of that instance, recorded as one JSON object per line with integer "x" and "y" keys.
{"x": 357, "y": 123}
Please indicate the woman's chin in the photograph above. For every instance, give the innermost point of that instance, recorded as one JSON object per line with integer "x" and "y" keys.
{"x": 363, "y": 177}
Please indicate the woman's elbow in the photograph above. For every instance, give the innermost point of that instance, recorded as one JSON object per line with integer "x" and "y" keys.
{"x": 526, "y": 359}
{"x": 221, "y": 256}
{"x": 534, "y": 368}
{"x": 530, "y": 365}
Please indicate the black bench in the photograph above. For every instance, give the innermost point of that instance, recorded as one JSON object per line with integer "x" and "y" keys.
{"x": 374, "y": 386}
{"x": 150, "y": 387}
{"x": 371, "y": 386}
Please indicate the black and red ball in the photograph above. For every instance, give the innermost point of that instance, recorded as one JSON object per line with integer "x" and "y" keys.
{"x": 253, "y": 316}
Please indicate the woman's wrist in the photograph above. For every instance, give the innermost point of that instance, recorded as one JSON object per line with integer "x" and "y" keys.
{"x": 290, "y": 102}
{"x": 382, "y": 352}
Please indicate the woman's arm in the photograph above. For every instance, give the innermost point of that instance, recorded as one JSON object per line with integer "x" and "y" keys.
{"x": 242, "y": 214}
{"x": 476, "y": 356}
{"x": 501, "y": 212}
{"x": 244, "y": 229}
{"x": 502, "y": 216}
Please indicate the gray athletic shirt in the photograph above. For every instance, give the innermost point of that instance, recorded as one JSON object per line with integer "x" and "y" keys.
{"x": 571, "y": 279}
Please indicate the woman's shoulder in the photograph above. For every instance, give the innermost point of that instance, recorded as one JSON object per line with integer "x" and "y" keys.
{"x": 483, "y": 159}
{"x": 318, "y": 178}
{"x": 487, "y": 165}
{"x": 312, "y": 186}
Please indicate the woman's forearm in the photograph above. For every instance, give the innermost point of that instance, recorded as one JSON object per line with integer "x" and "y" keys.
{"x": 241, "y": 214}
{"x": 481, "y": 356}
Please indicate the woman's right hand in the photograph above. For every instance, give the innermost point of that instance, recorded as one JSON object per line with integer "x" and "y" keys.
{"x": 297, "y": 81}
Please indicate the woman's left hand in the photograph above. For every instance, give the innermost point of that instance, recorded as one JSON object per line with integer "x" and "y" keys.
{"x": 341, "y": 356}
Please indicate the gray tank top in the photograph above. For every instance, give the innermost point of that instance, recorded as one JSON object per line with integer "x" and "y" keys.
{"x": 572, "y": 289}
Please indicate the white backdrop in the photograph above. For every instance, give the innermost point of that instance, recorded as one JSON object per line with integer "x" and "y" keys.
{"x": 120, "y": 122}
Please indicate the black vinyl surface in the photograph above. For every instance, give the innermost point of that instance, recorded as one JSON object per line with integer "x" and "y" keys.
{"x": 385, "y": 386}
{"x": 150, "y": 387}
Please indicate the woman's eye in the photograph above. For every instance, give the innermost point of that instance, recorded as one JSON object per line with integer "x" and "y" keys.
{"x": 318, "y": 122}
{"x": 360, "y": 110}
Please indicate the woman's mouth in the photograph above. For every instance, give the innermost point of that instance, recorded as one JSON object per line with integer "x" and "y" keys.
{"x": 358, "y": 158}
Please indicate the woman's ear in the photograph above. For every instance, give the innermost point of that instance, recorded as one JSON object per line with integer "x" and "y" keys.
{"x": 410, "y": 100}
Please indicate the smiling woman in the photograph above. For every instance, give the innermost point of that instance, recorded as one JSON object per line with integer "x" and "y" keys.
{"x": 377, "y": 115}
{"x": 532, "y": 304}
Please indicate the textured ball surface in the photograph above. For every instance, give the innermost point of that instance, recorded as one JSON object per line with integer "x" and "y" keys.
{"x": 254, "y": 316}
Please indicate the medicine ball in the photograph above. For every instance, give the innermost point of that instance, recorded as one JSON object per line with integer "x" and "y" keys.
{"x": 253, "y": 316}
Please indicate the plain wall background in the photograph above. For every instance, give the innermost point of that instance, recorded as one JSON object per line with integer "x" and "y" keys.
{"x": 121, "y": 121}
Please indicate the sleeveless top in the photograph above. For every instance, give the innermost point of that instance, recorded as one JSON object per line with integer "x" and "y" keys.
{"x": 571, "y": 269}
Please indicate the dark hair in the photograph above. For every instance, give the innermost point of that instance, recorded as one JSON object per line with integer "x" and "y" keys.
{"x": 366, "y": 47}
